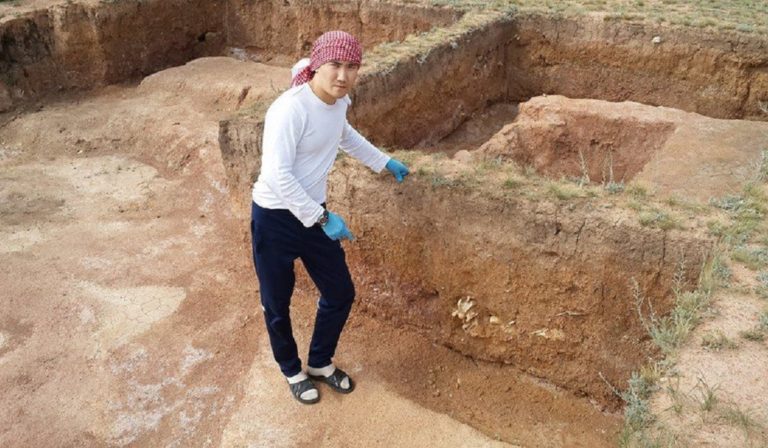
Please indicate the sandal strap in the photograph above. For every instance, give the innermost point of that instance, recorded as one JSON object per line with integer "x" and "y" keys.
{"x": 302, "y": 386}
{"x": 337, "y": 377}
{"x": 334, "y": 381}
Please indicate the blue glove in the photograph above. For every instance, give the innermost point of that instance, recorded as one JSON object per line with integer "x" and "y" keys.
{"x": 336, "y": 229}
{"x": 397, "y": 169}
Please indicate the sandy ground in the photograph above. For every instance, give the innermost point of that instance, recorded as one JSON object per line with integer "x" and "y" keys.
{"x": 129, "y": 311}
{"x": 718, "y": 397}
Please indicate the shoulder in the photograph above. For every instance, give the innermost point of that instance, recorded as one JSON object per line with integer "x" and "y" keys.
{"x": 290, "y": 97}
{"x": 288, "y": 103}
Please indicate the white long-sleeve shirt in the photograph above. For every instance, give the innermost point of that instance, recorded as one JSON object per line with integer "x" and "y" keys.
{"x": 302, "y": 135}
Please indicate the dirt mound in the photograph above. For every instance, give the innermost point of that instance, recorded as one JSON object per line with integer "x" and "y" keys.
{"x": 675, "y": 152}
{"x": 158, "y": 122}
{"x": 225, "y": 83}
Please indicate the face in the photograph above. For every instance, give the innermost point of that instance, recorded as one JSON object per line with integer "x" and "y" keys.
{"x": 334, "y": 79}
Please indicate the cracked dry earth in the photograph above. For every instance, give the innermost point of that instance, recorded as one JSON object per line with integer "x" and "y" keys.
{"x": 129, "y": 313}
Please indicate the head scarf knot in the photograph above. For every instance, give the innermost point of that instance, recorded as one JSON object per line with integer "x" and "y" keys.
{"x": 331, "y": 46}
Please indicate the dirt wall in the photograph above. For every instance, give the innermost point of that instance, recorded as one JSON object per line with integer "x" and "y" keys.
{"x": 78, "y": 45}
{"x": 560, "y": 272}
{"x": 511, "y": 58}
{"x": 240, "y": 145}
{"x": 721, "y": 74}
{"x": 544, "y": 286}
{"x": 604, "y": 141}
{"x": 426, "y": 96}
{"x": 550, "y": 282}
{"x": 276, "y": 27}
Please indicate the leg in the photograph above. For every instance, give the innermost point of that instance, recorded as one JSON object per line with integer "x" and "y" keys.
{"x": 326, "y": 264}
{"x": 273, "y": 259}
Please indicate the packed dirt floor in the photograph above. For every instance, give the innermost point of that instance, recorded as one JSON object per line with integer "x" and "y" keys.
{"x": 129, "y": 313}
{"x": 731, "y": 378}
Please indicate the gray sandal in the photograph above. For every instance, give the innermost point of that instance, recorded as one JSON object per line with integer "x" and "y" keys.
{"x": 335, "y": 381}
{"x": 303, "y": 386}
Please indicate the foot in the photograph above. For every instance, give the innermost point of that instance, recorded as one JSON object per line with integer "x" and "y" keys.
{"x": 334, "y": 377}
{"x": 303, "y": 389}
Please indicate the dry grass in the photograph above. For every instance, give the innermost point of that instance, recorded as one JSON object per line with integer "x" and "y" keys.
{"x": 715, "y": 340}
{"x": 384, "y": 58}
{"x": 659, "y": 219}
{"x": 742, "y": 16}
{"x": 743, "y": 237}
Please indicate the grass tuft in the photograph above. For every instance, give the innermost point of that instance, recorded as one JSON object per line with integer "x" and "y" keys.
{"x": 753, "y": 258}
{"x": 716, "y": 228}
{"x": 721, "y": 272}
{"x": 668, "y": 332}
{"x": 759, "y": 331}
{"x": 753, "y": 334}
{"x": 614, "y": 187}
{"x": 565, "y": 192}
{"x": 512, "y": 183}
{"x": 742, "y": 418}
{"x": 715, "y": 340}
{"x": 659, "y": 219}
{"x": 638, "y": 192}
{"x": 637, "y": 414}
{"x": 747, "y": 212}
{"x": 763, "y": 321}
{"x": 707, "y": 395}
{"x": 762, "y": 169}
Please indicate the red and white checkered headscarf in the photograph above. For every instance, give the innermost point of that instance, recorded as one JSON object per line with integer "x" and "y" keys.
{"x": 331, "y": 46}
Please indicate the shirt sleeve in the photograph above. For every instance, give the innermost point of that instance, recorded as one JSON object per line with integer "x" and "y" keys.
{"x": 358, "y": 147}
{"x": 283, "y": 127}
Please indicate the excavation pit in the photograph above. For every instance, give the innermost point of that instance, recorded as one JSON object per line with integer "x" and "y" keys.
{"x": 81, "y": 45}
{"x": 529, "y": 280}
{"x": 526, "y": 286}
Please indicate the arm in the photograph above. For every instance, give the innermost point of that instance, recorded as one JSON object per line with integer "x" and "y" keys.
{"x": 283, "y": 127}
{"x": 358, "y": 147}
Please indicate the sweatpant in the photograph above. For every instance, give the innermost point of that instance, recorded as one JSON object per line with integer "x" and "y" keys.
{"x": 278, "y": 238}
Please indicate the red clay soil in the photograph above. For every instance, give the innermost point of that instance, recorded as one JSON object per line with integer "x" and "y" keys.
{"x": 52, "y": 45}
{"x": 672, "y": 152}
{"x": 547, "y": 283}
{"x": 130, "y": 314}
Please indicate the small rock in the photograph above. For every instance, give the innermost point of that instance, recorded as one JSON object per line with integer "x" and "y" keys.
{"x": 656, "y": 40}
{"x": 494, "y": 320}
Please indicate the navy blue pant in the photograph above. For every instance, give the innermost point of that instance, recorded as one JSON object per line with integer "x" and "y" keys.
{"x": 279, "y": 238}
